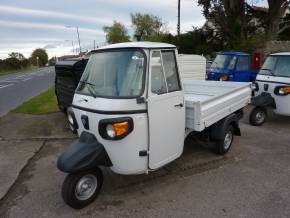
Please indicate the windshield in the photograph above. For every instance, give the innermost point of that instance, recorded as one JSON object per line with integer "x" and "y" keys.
{"x": 268, "y": 66}
{"x": 114, "y": 74}
{"x": 276, "y": 66}
{"x": 222, "y": 61}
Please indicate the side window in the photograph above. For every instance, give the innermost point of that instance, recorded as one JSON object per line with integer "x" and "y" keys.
{"x": 170, "y": 68}
{"x": 232, "y": 63}
{"x": 158, "y": 85}
{"x": 283, "y": 66}
{"x": 243, "y": 63}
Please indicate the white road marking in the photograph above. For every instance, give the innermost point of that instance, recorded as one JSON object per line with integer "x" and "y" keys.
{"x": 17, "y": 77}
{"x": 27, "y": 79}
{"x": 4, "y": 86}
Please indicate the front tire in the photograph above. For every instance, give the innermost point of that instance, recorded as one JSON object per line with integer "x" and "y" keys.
{"x": 258, "y": 116}
{"x": 224, "y": 145}
{"x": 81, "y": 189}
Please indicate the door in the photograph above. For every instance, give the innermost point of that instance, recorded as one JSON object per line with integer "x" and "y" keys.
{"x": 243, "y": 72}
{"x": 166, "y": 109}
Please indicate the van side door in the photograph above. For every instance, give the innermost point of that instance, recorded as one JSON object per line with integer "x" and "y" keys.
{"x": 166, "y": 109}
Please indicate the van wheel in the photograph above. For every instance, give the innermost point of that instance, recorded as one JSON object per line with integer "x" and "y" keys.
{"x": 224, "y": 145}
{"x": 81, "y": 189}
{"x": 258, "y": 116}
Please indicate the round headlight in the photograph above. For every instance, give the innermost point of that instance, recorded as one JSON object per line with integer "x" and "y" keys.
{"x": 110, "y": 131}
{"x": 70, "y": 119}
{"x": 224, "y": 78}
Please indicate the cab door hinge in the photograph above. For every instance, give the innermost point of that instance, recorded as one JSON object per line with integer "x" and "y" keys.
{"x": 143, "y": 153}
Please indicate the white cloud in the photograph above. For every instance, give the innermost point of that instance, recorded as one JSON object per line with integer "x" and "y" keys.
{"x": 161, "y": 4}
{"x": 54, "y": 14}
{"x": 33, "y": 25}
{"x": 89, "y": 15}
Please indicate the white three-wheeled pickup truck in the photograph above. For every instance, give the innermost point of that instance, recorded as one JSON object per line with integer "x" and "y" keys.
{"x": 132, "y": 113}
{"x": 272, "y": 88}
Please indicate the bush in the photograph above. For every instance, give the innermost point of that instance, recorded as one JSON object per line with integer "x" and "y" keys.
{"x": 13, "y": 63}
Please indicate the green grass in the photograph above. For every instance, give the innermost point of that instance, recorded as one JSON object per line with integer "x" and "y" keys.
{"x": 6, "y": 72}
{"x": 44, "y": 103}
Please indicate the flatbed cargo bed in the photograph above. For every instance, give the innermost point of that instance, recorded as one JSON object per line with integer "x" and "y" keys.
{"x": 207, "y": 102}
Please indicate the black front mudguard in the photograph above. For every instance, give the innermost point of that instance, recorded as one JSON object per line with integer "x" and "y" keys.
{"x": 264, "y": 100}
{"x": 84, "y": 154}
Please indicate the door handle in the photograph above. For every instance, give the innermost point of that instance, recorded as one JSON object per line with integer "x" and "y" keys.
{"x": 178, "y": 105}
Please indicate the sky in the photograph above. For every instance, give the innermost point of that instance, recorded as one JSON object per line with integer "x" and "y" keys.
{"x": 30, "y": 24}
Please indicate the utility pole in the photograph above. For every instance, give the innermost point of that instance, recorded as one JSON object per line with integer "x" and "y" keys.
{"x": 178, "y": 19}
{"x": 94, "y": 44}
{"x": 73, "y": 47}
{"x": 79, "y": 39}
{"x": 78, "y": 36}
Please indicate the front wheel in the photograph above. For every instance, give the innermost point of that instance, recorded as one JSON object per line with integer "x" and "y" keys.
{"x": 224, "y": 145}
{"x": 258, "y": 116}
{"x": 81, "y": 189}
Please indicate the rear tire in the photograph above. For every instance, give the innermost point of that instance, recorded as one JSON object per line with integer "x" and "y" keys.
{"x": 258, "y": 116}
{"x": 81, "y": 189}
{"x": 224, "y": 145}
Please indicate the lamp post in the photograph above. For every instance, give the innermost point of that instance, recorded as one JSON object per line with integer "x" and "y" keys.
{"x": 77, "y": 28}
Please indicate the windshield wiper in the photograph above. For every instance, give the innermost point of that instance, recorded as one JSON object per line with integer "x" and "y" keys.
{"x": 86, "y": 82}
{"x": 92, "y": 91}
{"x": 271, "y": 71}
{"x": 266, "y": 69}
{"x": 214, "y": 62}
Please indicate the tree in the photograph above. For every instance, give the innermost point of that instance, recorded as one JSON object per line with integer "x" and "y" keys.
{"x": 277, "y": 9}
{"x": 12, "y": 63}
{"x": 235, "y": 20}
{"x": 16, "y": 55}
{"x": 116, "y": 33}
{"x": 39, "y": 57}
{"x": 146, "y": 25}
{"x": 226, "y": 18}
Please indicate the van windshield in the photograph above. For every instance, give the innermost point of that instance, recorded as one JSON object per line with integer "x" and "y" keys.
{"x": 222, "y": 61}
{"x": 276, "y": 66}
{"x": 116, "y": 74}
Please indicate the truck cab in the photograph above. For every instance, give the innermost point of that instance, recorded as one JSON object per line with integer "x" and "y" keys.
{"x": 233, "y": 66}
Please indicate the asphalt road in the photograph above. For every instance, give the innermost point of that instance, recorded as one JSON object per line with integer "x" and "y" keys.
{"x": 18, "y": 88}
{"x": 252, "y": 180}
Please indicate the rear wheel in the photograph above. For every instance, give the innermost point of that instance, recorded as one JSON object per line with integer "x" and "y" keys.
{"x": 223, "y": 146}
{"x": 258, "y": 116}
{"x": 81, "y": 189}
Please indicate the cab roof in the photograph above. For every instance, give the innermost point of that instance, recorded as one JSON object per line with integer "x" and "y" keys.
{"x": 149, "y": 45}
{"x": 281, "y": 53}
{"x": 234, "y": 53}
